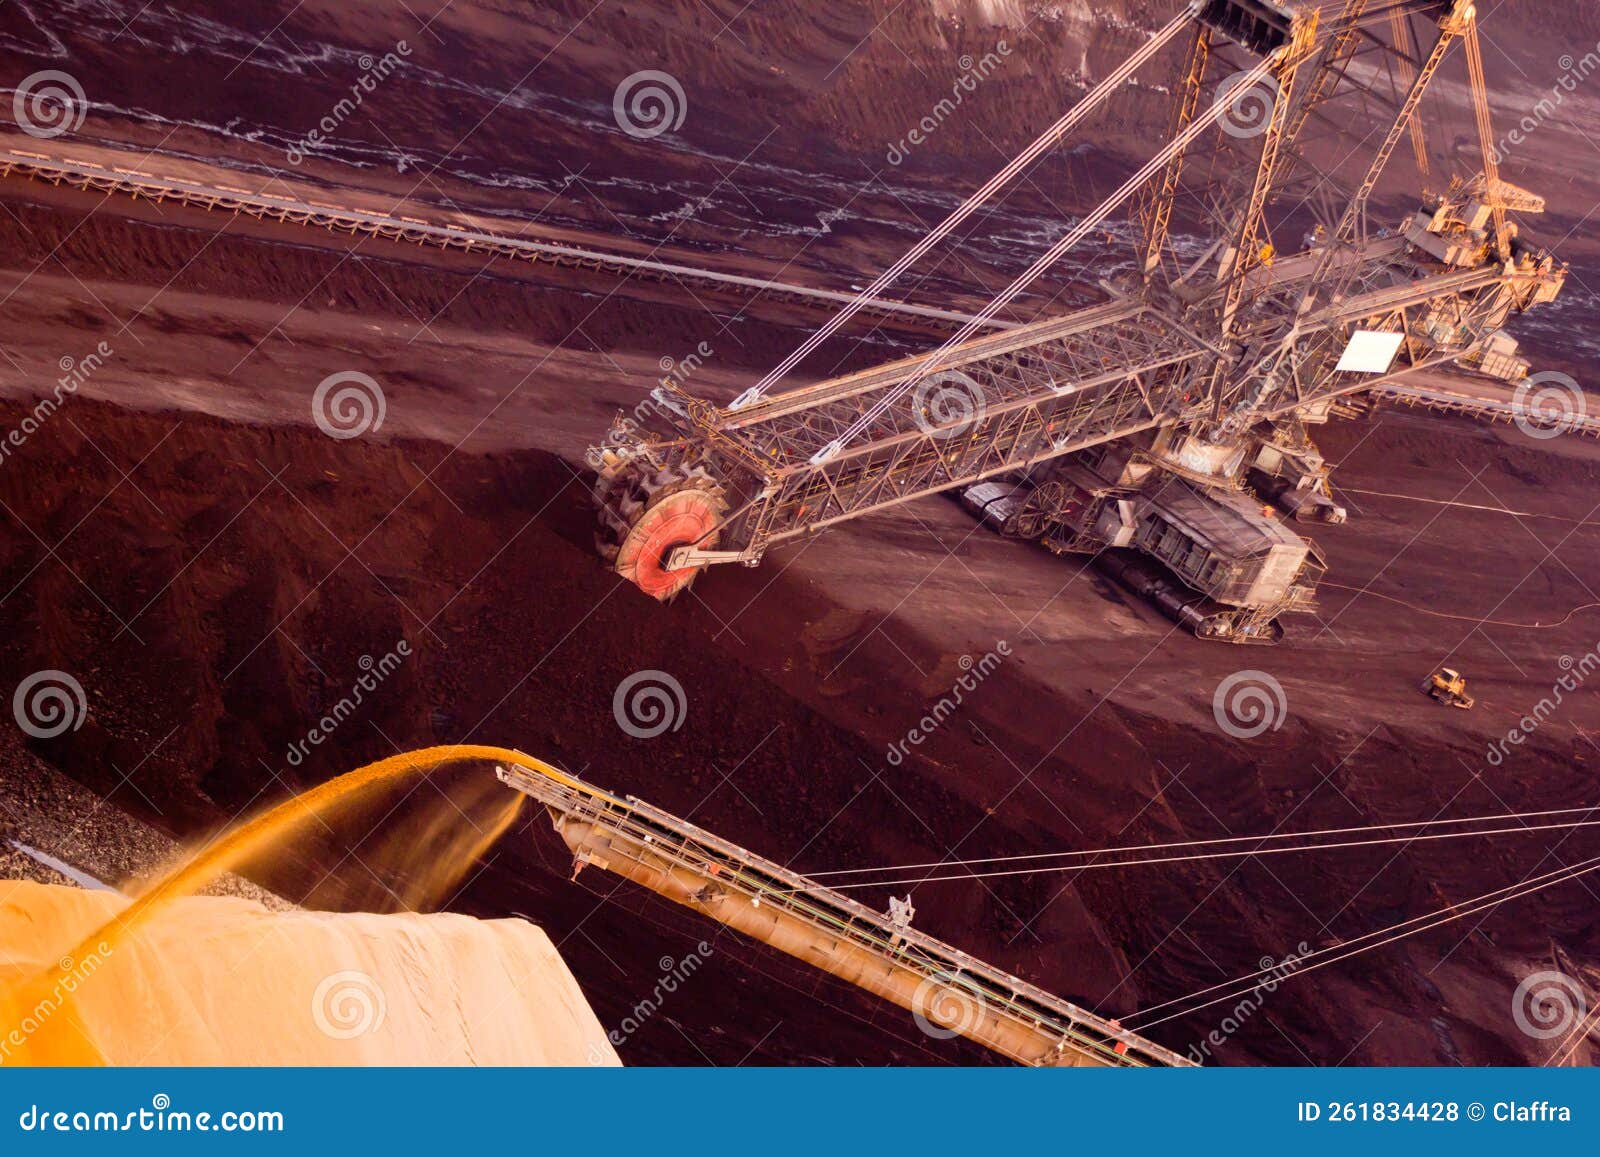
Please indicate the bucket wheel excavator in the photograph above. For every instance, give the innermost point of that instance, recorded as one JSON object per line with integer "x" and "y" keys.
{"x": 1163, "y": 429}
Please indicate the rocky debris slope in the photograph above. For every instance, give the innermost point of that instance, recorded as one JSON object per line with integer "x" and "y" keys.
{"x": 55, "y": 831}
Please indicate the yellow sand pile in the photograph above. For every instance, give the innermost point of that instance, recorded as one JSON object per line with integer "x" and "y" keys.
{"x": 223, "y": 981}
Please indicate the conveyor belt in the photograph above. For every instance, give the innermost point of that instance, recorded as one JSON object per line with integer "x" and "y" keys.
{"x": 443, "y": 235}
{"x": 943, "y": 986}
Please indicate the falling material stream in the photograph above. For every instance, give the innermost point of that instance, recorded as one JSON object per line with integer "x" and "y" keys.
{"x": 60, "y": 1039}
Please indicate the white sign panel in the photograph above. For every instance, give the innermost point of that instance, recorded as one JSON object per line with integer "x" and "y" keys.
{"x": 1370, "y": 352}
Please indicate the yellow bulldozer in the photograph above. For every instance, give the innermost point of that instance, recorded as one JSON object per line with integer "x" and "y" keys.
{"x": 1448, "y": 686}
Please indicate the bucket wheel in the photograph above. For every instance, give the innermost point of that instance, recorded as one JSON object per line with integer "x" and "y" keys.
{"x": 643, "y": 519}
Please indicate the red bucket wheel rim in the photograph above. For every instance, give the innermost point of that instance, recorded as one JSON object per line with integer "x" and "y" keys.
{"x": 674, "y": 524}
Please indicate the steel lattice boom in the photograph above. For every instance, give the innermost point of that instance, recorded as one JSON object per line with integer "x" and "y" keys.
{"x": 1264, "y": 292}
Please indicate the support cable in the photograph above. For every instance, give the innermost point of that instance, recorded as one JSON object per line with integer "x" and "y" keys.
{"x": 932, "y": 362}
{"x": 1263, "y": 846}
{"x": 1047, "y": 140}
{"x": 1378, "y": 939}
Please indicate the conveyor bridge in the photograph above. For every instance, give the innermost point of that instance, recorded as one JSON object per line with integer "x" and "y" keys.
{"x": 950, "y": 991}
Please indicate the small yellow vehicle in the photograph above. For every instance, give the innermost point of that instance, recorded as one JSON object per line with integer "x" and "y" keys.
{"x": 1450, "y": 687}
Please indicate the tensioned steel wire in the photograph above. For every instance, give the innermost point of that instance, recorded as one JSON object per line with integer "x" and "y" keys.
{"x": 1087, "y": 225}
{"x": 1050, "y": 138}
{"x": 1046, "y": 141}
{"x": 1231, "y": 847}
{"x": 1241, "y": 986}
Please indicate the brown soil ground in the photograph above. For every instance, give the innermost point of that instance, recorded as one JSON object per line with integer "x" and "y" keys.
{"x": 226, "y": 553}
{"x": 213, "y": 569}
